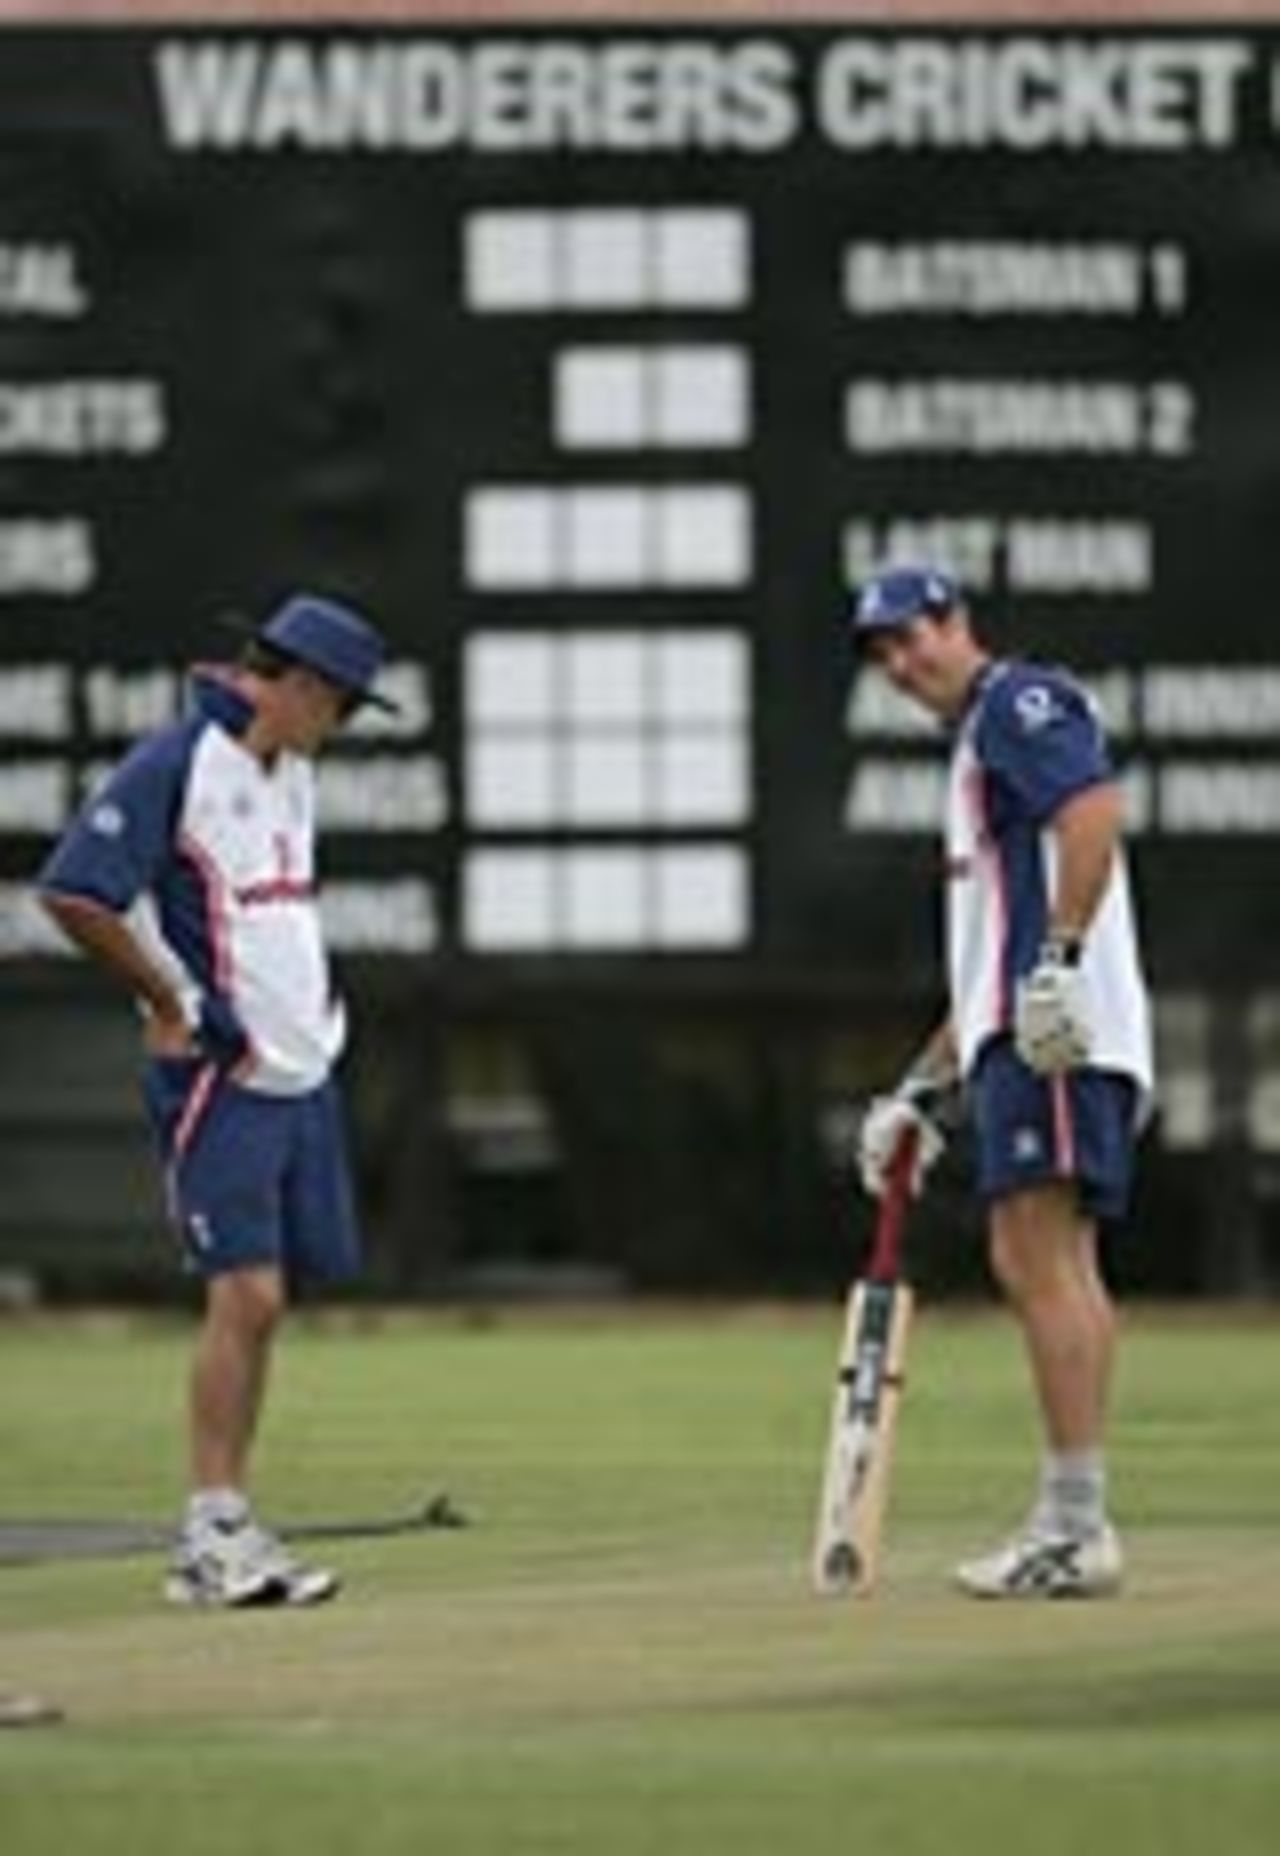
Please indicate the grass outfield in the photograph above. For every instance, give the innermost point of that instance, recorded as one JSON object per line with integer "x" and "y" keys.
{"x": 621, "y": 1655}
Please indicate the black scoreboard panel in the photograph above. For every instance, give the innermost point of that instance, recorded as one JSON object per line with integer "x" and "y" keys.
{"x": 599, "y": 364}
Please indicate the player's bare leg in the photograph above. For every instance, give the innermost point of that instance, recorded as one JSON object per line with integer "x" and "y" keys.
{"x": 1045, "y": 1258}
{"x": 224, "y": 1556}
{"x": 229, "y": 1373}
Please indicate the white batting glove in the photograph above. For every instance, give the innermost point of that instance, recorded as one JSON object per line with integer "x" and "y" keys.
{"x": 1051, "y": 1028}
{"x": 887, "y": 1119}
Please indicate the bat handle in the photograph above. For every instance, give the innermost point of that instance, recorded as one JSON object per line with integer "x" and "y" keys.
{"x": 886, "y": 1245}
{"x": 902, "y": 1164}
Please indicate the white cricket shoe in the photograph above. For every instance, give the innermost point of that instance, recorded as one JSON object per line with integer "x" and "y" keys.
{"x": 1038, "y": 1565}
{"x": 239, "y": 1563}
{"x": 27, "y": 1711}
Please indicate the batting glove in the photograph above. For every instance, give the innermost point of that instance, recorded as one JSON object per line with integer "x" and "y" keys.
{"x": 1051, "y": 1029}
{"x": 887, "y": 1119}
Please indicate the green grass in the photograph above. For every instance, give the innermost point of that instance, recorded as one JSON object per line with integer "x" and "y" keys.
{"x": 621, "y": 1655}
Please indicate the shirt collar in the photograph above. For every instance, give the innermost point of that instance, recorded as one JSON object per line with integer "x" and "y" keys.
{"x": 987, "y": 674}
{"x": 217, "y": 697}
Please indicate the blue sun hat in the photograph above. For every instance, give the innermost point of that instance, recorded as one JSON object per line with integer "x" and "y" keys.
{"x": 331, "y": 639}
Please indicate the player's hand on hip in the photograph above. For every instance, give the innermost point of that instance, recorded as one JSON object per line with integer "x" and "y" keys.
{"x": 167, "y": 1033}
{"x": 887, "y": 1120}
{"x": 219, "y": 1033}
{"x": 1051, "y": 1028}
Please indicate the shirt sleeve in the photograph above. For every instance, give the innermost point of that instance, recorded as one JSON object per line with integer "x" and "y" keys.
{"x": 1040, "y": 734}
{"x": 116, "y": 845}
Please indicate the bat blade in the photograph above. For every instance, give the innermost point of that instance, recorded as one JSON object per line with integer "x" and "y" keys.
{"x": 864, "y": 1409}
{"x": 864, "y": 1414}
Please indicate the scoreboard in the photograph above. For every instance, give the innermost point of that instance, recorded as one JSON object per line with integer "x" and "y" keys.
{"x": 598, "y": 365}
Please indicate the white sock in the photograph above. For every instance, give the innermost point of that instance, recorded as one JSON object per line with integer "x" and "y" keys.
{"x": 1073, "y": 1494}
{"x": 216, "y": 1507}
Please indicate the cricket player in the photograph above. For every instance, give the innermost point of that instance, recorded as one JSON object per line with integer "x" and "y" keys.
{"x": 189, "y": 876}
{"x": 1048, "y": 1032}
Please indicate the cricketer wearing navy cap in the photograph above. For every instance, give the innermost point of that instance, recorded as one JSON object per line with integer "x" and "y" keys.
{"x": 898, "y": 595}
{"x": 1047, "y": 1029}
{"x": 189, "y": 875}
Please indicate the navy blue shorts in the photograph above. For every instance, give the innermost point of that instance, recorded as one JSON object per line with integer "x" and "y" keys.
{"x": 253, "y": 1179}
{"x": 1080, "y": 1127}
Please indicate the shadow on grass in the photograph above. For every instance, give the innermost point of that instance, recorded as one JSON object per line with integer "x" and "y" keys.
{"x": 1231, "y": 1685}
{"x": 1188, "y": 1693}
{"x": 23, "y": 1542}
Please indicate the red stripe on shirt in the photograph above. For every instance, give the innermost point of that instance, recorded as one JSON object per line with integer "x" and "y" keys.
{"x": 215, "y": 902}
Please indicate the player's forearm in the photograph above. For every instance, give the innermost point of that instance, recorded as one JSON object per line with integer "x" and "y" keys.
{"x": 937, "y": 1063}
{"x": 1086, "y": 833}
{"x": 106, "y": 939}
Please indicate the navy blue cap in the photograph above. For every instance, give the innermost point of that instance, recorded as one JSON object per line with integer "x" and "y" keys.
{"x": 331, "y": 639}
{"x": 898, "y": 595}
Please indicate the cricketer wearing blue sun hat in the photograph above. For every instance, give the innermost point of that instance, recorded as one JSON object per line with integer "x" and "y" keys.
{"x": 329, "y": 637}
{"x": 190, "y": 877}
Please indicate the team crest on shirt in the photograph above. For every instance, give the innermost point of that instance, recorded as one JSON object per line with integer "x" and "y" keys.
{"x": 1035, "y": 707}
{"x": 107, "y": 820}
{"x": 199, "y": 1232}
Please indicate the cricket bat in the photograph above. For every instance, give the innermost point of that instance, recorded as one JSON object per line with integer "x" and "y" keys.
{"x": 864, "y": 1412}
